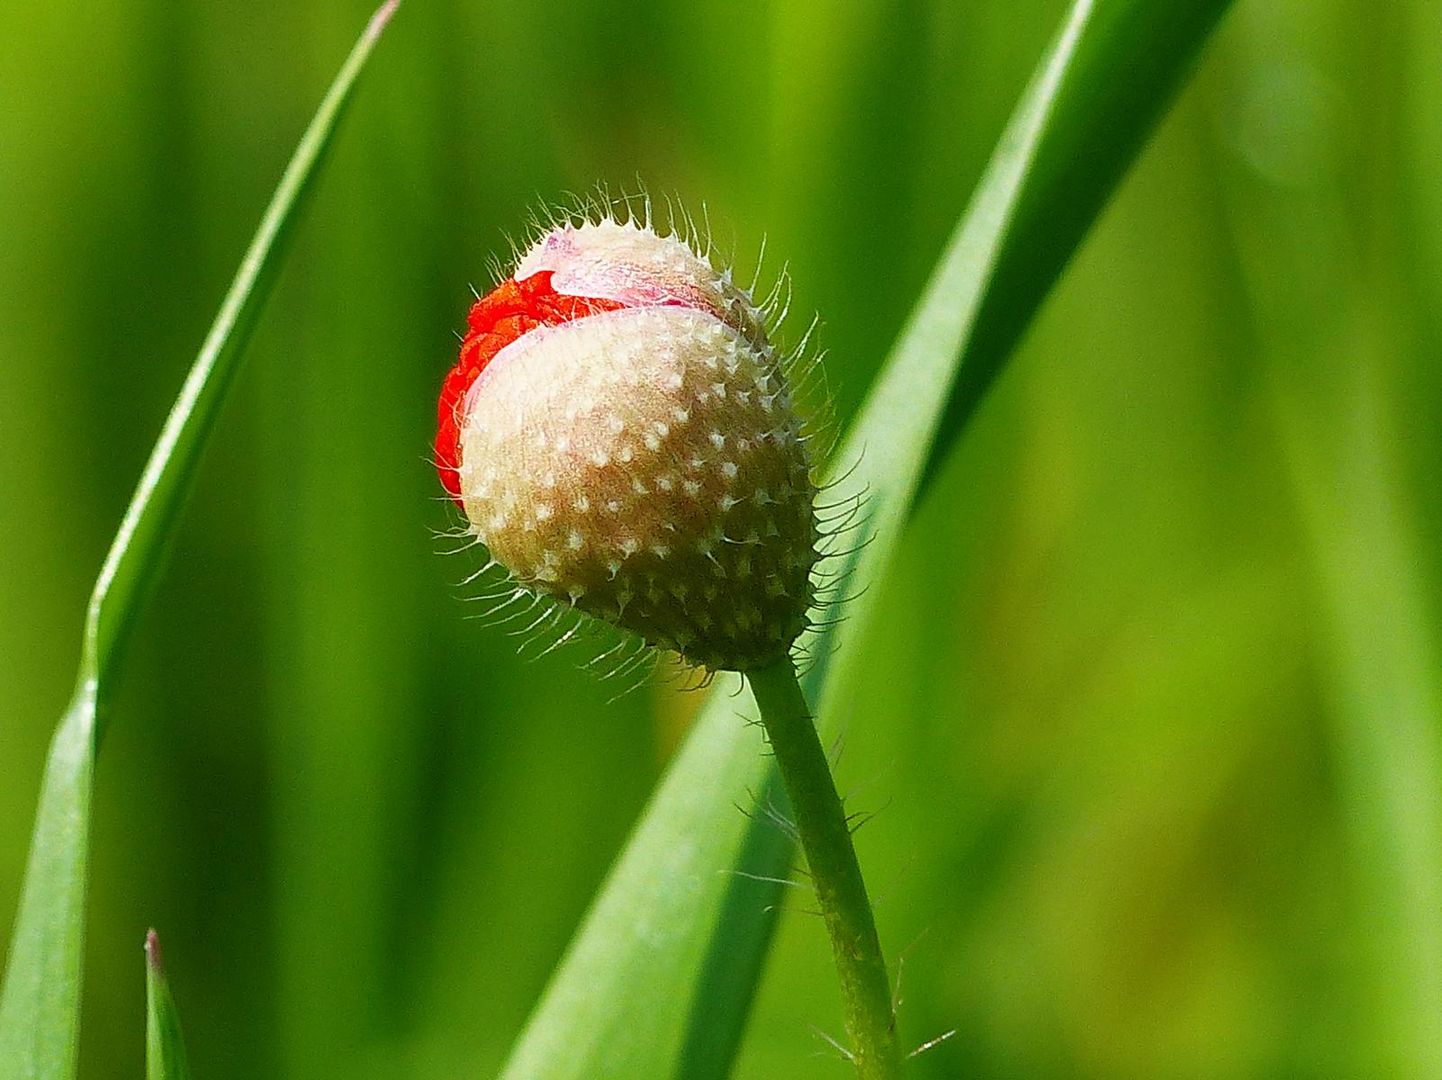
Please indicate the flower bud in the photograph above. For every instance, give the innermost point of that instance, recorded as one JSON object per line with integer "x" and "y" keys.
{"x": 619, "y": 433}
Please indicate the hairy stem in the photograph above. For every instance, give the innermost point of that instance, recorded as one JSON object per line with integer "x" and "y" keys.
{"x": 835, "y": 874}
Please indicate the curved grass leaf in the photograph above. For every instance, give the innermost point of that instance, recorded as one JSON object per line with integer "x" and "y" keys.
{"x": 164, "y": 1048}
{"x": 659, "y": 980}
{"x": 40, "y": 1005}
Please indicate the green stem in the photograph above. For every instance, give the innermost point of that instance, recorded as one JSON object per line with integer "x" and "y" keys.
{"x": 835, "y": 873}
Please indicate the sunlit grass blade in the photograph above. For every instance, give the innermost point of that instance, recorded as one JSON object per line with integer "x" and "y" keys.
{"x": 1342, "y": 431}
{"x": 40, "y": 1006}
{"x": 659, "y": 979}
{"x": 1383, "y": 682}
{"x": 164, "y": 1047}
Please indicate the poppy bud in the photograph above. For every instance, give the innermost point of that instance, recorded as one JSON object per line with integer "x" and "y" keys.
{"x": 619, "y": 433}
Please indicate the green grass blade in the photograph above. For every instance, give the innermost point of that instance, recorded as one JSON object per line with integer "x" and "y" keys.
{"x": 164, "y": 1047}
{"x": 40, "y": 1003}
{"x": 1342, "y": 428}
{"x": 1131, "y": 58}
{"x": 660, "y": 978}
{"x": 39, "y": 1013}
{"x": 135, "y": 554}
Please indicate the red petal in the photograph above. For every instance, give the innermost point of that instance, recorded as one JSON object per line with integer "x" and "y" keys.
{"x": 500, "y": 317}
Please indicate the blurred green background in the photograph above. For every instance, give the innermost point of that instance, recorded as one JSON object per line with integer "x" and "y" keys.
{"x": 1152, "y": 729}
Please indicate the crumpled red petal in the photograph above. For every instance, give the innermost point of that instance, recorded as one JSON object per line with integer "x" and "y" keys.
{"x": 500, "y": 317}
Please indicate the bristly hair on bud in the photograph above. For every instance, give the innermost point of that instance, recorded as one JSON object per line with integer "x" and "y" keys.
{"x": 622, "y": 436}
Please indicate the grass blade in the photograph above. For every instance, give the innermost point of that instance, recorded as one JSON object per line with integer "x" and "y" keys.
{"x": 164, "y": 1048}
{"x": 40, "y": 1004}
{"x": 660, "y": 978}
{"x": 1342, "y": 430}
{"x": 135, "y": 554}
